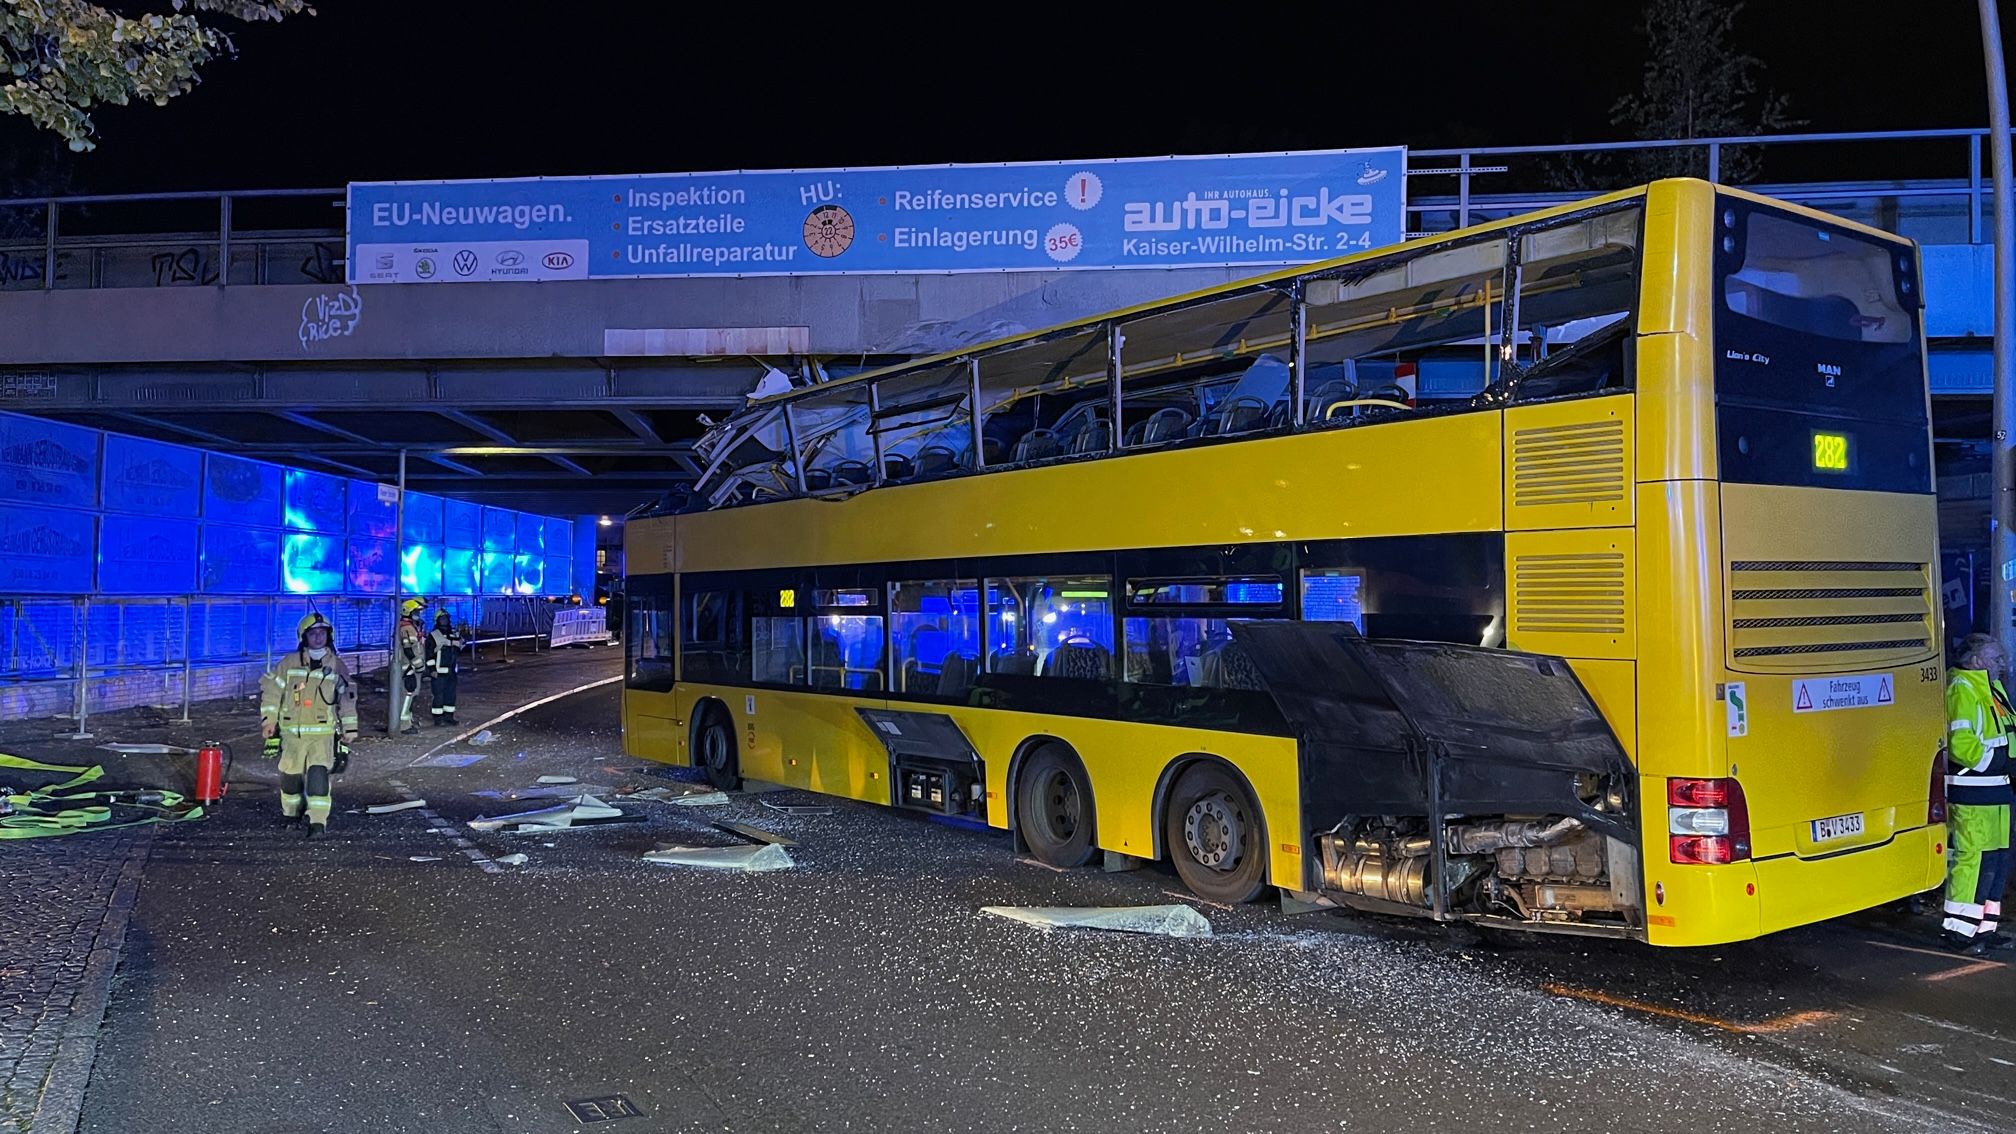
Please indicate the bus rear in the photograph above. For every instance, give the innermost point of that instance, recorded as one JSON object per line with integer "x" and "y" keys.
{"x": 1831, "y": 639}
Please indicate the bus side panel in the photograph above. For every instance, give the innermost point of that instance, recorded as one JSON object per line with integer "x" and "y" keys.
{"x": 1125, "y": 762}
{"x": 653, "y": 726}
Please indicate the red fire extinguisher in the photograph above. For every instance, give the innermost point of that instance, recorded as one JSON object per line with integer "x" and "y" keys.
{"x": 210, "y": 762}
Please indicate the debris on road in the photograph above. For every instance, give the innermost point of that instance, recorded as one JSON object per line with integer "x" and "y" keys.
{"x": 451, "y": 760}
{"x": 551, "y": 791}
{"x": 701, "y": 799}
{"x": 757, "y": 833}
{"x": 512, "y": 860}
{"x": 1167, "y": 921}
{"x": 767, "y": 856}
{"x": 797, "y": 808}
{"x": 559, "y": 779}
{"x": 485, "y": 737}
{"x": 389, "y": 808}
{"x": 584, "y": 808}
{"x": 423, "y": 858}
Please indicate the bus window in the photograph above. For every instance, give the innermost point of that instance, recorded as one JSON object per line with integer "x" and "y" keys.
{"x": 777, "y": 636}
{"x": 1044, "y": 400}
{"x": 1370, "y": 327}
{"x": 925, "y": 423}
{"x": 934, "y": 635}
{"x": 847, "y": 643}
{"x": 1051, "y": 627}
{"x": 712, "y": 645}
{"x": 1189, "y": 647}
{"x": 1578, "y": 296}
{"x": 1334, "y": 596}
{"x": 649, "y": 640}
{"x": 1209, "y": 370}
{"x": 833, "y": 442}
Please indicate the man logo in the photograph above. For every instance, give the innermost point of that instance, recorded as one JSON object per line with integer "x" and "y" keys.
{"x": 510, "y": 259}
{"x": 558, "y": 261}
{"x": 465, "y": 263}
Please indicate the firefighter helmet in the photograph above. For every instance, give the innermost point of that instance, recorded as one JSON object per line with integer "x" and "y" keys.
{"x": 412, "y": 606}
{"x": 441, "y": 616}
{"x": 309, "y": 622}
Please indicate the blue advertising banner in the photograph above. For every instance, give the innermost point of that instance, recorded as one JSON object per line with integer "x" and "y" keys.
{"x": 311, "y": 564}
{"x": 1234, "y": 209}
{"x": 46, "y": 550}
{"x": 458, "y": 571}
{"x": 146, "y": 555}
{"x": 420, "y": 566}
{"x": 371, "y": 566}
{"x": 423, "y": 518}
{"x": 461, "y": 523}
{"x": 241, "y": 561}
{"x": 238, "y": 491}
{"x": 500, "y": 532}
{"x": 498, "y": 574}
{"x": 48, "y": 462}
{"x": 150, "y": 477}
{"x": 315, "y": 501}
{"x": 531, "y": 533}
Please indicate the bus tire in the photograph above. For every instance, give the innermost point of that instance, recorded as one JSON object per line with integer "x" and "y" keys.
{"x": 1053, "y": 807}
{"x": 1215, "y": 837}
{"x": 714, "y": 750}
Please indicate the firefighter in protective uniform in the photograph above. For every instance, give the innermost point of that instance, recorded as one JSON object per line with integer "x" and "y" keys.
{"x": 1978, "y": 795}
{"x": 308, "y": 715}
{"x": 444, "y": 660}
{"x": 411, "y": 663}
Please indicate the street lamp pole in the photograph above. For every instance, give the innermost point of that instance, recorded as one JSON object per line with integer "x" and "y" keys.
{"x": 2001, "y": 537}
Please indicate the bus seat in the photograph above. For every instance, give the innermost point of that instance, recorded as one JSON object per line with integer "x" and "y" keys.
{"x": 896, "y": 466}
{"x": 850, "y": 472}
{"x": 1095, "y": 437}
{"x": 1228, "y": 666}
{"x": 816, "y": 479}
{"x": 1165, "y": 424}
{"x": 956, "y": 676}
{"x": 936, "y": 460}
{"x": 1083, "y": 660}
{"x": 1037, "y": 445}
{"x": 1328, "y": 394}
{"x": 1017, "y": 664}
{"x": 1239, "y": 414}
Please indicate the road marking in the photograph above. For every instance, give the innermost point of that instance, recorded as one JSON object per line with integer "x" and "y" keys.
{"x": 474, "y": 729}
{"x": 1772, "y": 1026}
{"x": 1950, "y": 1026}
{"x": 1964, "y": 970}
{"x": 468, "y": 848}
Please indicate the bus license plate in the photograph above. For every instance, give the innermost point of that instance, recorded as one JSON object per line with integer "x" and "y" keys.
{"x": 1838, "y": 827}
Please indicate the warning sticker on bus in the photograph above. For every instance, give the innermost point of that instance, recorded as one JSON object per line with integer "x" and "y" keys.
{"x": 1857, "y": 691}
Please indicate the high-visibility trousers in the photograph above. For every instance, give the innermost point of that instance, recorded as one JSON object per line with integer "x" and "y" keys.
{"x": 1980, "y": 836}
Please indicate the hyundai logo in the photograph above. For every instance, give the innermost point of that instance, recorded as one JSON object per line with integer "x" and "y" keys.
{"x": 510, "y": 259}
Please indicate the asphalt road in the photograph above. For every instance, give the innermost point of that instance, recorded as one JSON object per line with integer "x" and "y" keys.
{"x": 272, "y": 986}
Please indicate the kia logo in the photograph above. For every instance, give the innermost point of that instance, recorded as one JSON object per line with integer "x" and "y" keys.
{"x": 558, "y": 261}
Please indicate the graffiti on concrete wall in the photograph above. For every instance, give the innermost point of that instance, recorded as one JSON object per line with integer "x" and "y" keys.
{"x": 330, "y": 315}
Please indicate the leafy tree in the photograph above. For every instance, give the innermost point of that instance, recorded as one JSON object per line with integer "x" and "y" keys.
{"x": 60, "y": 58}
{"x": 1698, "y": 83}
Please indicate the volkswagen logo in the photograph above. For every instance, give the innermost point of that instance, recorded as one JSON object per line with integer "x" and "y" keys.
{"x": 465, "y": 263}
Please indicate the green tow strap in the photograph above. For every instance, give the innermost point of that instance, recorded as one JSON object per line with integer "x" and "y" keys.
{"x": 59, "y": 809}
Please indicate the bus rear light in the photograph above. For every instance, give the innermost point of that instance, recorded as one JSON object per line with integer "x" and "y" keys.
{"x": 1708, "y": 821}
{"x": 1935, "y": 807}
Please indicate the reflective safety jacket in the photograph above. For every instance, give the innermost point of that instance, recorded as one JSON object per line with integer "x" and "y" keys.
{"x": 304, "y": 697}
{"x": 444, "y": 651}
{"x": 409, "y": 646}
{"x": 1977, "y": 739}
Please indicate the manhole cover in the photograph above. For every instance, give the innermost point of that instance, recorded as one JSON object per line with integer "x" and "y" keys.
{"x": 607, "y": 1108}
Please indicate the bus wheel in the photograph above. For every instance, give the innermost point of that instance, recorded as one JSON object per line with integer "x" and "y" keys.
{"x": 1053, "y": 807}
{"x": 717, "y": 751}
{"x": 1212, "y": 829}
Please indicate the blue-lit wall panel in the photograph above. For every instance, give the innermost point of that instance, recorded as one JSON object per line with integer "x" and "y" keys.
{"x": 238, "y": 491}
{"x": 560, "y": 577}
{"x": 461, "y": 523}
{"x": 531, "y": 534}
{"x": 423, "y": 519}
{"x": 420, "y": 569}
{"x": 48, "y": 463}
{"x": 371, "y": 566}
{"x": 458, "y": 571}
{"x": 154, "y": 478}
{"x": 585, "y": 528}
{"x": 498, "y": 574}
{"x": 371, "y": 515}
{"x": 315, "y": 501}
{"x": 311, "y": 564}
{"x": 559, "y": 537}
{"x": 531, "y": 571}
{"x": 46, "y": 550}
{"x": 500, "y": 532}
{"x": 146, "y": 555}
{"x": 241, "y": 561}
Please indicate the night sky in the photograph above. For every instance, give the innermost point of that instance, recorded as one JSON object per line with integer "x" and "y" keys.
{"x": 370, "y": 89}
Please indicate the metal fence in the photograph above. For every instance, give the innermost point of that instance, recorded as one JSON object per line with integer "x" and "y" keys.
{"x": 1926, "y": 184}
{"x": 70, "y": 656}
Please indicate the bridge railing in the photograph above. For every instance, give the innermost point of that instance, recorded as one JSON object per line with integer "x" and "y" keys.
{"x": 1926, "y": 184}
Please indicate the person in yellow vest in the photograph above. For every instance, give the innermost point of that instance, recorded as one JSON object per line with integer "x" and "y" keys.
{"x": 409, "y": 663}
{"x": 1978, "y": 795}
{"x": 308, "y": 715}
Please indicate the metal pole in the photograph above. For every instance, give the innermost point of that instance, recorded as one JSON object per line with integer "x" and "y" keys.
{"x": 2001, "y": 537}
{"x": 224, "y": 240}
{"x": 395, "y": 681}
{"x": 186, "y": 653}
{"x": 49, "y": 247}
{"x": 83, "y": 607}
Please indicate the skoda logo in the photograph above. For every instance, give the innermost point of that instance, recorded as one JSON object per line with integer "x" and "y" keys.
{"x": 424, "y": 267}
{"x": 557, "y": 261}
{"x": 465, "y": 263}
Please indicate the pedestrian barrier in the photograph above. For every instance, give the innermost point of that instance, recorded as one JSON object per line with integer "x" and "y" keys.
{"x": 576, "y": 624}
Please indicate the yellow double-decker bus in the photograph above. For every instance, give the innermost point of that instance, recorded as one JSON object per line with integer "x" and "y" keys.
{"x": 1638, "y": 640}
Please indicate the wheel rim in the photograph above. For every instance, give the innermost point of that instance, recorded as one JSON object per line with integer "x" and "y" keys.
{"x": 714, "y": 749}
{"x": 1214, "y": 829}
{"x": 1059, "y": 805}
